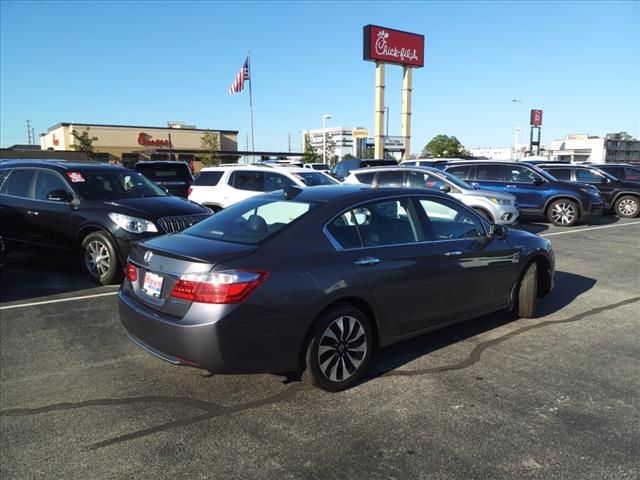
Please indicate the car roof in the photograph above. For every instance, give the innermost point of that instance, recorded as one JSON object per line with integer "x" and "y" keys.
{"x": 402, "y": 168}
{"x": 61, "y": 164}
{"x": 354, "y": 192}
{"x": 161, "y": 162}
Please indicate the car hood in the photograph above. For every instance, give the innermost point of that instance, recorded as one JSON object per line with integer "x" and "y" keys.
{"x": 184, "y": 246}
{"x": 154, "y": 207}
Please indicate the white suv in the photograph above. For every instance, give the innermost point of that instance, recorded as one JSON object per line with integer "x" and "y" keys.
{"x": 220, "y": 187}
{"x": 496, "y": 207}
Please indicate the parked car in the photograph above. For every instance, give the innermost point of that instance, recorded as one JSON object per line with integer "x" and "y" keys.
{"x": 95, "y": 209}
{"x": 3, "y": 253}
{"x": 175, "y": 177}
{"x": 494, "y": 206}
{"x": 342, "y": 168}
{"x": 622, "y": 171}
{"x": 316, "y": 279}
{"x": 538, "y": 193}
{"x": 323, "y": 167}
{"x": 220, "y": 187}
{"x": 623, "y": 197}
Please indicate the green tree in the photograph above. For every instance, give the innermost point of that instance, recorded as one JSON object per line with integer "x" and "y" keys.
{"x": 210, "y": 145}
{"x": 330, "y": 149}
{"x": 348, "y": 156}
{"x": 82, "y": 141}
{"x": 310, "y": 153}
{"x": 443, "y": 146}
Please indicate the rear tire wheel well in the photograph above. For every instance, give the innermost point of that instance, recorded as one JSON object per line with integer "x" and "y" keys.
{"x": 351, "y": 301}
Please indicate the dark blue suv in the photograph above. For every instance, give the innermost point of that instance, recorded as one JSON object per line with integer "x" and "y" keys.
{"x": 538, "y": 192}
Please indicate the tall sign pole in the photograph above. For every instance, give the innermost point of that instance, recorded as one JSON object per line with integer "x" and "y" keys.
{"x": 385, "y": 45}
{"x": 379, "y": 117}
{"x": 406, "y": 111}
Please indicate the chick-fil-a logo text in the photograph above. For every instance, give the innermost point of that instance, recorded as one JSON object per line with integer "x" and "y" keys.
{"x": 146, "y": 140}
{"x": 384, "y": 49}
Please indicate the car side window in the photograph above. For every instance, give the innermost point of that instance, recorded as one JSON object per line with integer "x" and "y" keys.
{"x": 495, "y": 173}
{"x": 208, "y": 179}
{"x": 584, "y": 175}
{"x": 248, "y": 180}
{"x": 46, "y": 183}
{"x": 390, "y": 179}
{"x": 375, "y": 224}
{"x": 561, "y": 173}
{"x": 276, "y": 181}
{"x": 449, "y": 221}
{"x": 632, "y": 174}
{"x": 19, "y": 183}
{"x": 366, "y": 177}
{"x": 462, "y": 171}
{"x": 520, "y": 175}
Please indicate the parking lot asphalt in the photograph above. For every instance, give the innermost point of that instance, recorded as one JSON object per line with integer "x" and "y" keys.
{"x": 551, "y": 397}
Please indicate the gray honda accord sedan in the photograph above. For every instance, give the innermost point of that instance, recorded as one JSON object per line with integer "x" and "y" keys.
{"x": 314, "y": 280}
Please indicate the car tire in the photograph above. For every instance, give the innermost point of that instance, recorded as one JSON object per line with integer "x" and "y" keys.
{"x": 484, "y": 214}
{"x": 99, "y": 259}
{"x": 339, "y": 349}
{"x": 528, "y": 292}
{"x": 627, "y": 206}
{"x": 563, "y": 212}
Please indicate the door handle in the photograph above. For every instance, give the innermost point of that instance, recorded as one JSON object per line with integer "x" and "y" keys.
{"x": 367, "y": 261}
{"x": 453, "y": 253}
{"x": 33, "y": 212}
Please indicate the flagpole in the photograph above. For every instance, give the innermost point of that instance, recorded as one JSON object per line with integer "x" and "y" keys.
{"x": 253, "y": 147}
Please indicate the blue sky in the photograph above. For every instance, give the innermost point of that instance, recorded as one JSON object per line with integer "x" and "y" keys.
{"x": 144, "y": 63}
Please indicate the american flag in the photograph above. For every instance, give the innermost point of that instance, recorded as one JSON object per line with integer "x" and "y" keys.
{"x": 238, "y": 82}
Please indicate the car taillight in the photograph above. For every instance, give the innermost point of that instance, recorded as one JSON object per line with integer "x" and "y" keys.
{"x": 229, "y": 286}
{"x": 132, "y": 272}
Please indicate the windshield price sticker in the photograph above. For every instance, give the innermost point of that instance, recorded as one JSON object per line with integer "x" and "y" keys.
{"x": 152, "y": 284}
{"x": 75, "y": 177}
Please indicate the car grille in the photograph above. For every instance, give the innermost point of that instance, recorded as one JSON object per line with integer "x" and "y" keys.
{"x": 177, "y": 224}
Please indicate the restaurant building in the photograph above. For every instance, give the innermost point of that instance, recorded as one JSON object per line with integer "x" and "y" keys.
{"x": 128, "y": 144}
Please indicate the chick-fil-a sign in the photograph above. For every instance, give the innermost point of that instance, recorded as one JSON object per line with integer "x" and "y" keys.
{"x": 146, "y": 140}
{"x": 393, "y": 46}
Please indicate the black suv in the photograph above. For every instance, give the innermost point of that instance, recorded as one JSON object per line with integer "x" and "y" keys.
{"x": 538, "y": 192}
{"x": 175, "y": 177}
{"x": 622, "y": 171}
{"x": 96, "y": 209}
{"x": 621, "y": 196}
{"x": 341, "y": 169}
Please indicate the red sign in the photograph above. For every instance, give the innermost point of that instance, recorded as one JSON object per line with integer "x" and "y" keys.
{"x": 56, "y": 142}
{"x": 393, "y": 46}
{"x": 536, "y": 117}
{"x": 146, "y": 140}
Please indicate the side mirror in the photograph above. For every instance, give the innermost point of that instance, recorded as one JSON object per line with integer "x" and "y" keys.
{"x": 498, "y": 231}
{"x": 445, "y": 188}
{"x": 538, "y": 181}
{"x": 59, "y": 196}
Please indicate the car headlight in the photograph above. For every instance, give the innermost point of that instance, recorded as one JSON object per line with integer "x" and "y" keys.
{"x": 132, "y": 224}
{"x": 500, "y": 201}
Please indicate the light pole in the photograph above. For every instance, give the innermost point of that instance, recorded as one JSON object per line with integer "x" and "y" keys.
{"x": 518, "y": 133}
{"x": 325, "y": 117}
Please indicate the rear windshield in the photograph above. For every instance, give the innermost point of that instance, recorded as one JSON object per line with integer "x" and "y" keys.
{"x": 313, "y": 179}
{"x": 208, "y": 179}
{"x": 251, "y": 221}
{"x": 164, "y": 171}
{"x": 378, "y": 163}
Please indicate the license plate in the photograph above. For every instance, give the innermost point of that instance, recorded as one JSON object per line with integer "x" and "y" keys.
{"x": 152, "y": 284}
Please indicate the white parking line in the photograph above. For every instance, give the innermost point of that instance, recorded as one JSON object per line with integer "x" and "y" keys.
{"x": 589, "y": 228}
{"x": 60, "y": 300}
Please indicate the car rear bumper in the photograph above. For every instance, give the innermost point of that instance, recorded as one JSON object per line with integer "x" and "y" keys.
{"x": 226, "y": 345}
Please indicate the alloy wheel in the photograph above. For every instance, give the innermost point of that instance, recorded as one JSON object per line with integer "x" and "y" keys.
{"x": 563, "y": 213}
{"x": 342, "y": 348}
{"x": 97, "y": 258}
{"x": 628, "y": 207}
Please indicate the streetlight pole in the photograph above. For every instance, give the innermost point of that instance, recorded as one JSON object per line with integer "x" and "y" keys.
{"x": 325, "y": 117}
{"x": 518, "y": 134}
